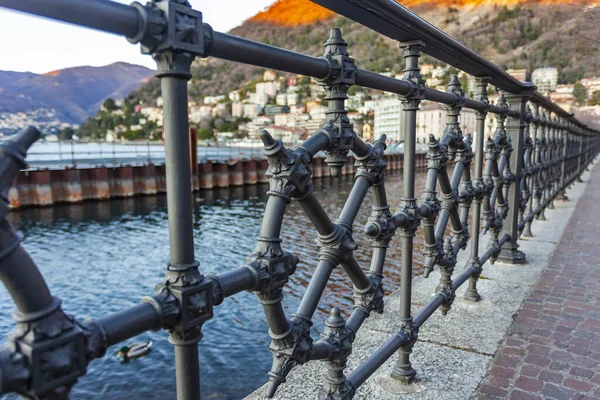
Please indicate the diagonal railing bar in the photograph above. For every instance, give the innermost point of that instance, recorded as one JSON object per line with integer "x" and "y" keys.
{"x": 476, "y": 186}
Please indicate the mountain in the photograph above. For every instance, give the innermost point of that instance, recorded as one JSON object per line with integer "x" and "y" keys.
{"x": 512, "y": 33}
{"x": 69, "y": 95}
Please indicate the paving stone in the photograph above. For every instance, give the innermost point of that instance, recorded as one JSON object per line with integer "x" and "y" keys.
{"x": 558, "y": 326}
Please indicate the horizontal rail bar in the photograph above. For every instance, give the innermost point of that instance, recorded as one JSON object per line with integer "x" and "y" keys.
{"x": 130, "y": 322}
{"x": 376, "y": 360}
{"x": 233, "y": 48}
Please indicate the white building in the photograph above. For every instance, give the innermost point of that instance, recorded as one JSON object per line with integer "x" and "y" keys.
{"x": 387, "y": 118}
{"x": 259, "y": 98}
{"x": 292, "y": 98}
{"x": 545, "y": 79}
{"x": 213, "y": 99}
{"x": 591, "y": 84}
{"x": 234, "y": 96}
{"x": 199, "y": 113}
{"x": 431, "y": 119}
{"x": 269, "y": 75}
{"x": 252, "y": 110}
{"x": 519, "y": 74}
{"x": 268, "y": 88}
{"x": 237, "y": 109}
{"x": 281, "y": 99}
{"x": 221, "y": 110}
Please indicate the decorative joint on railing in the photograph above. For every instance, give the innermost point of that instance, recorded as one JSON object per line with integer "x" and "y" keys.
{"x": 271, "y": 270}
{"x": 411, "y": 52}
{"x": 380, "y": 226}
{"x": 289, "y": 170}
{"x": 409, "y": 218}
{"x": 454, "y": 87}
{"x": 169, "y": 26}
{"x": 339, "y": 338}
{"x": 371, "y": 299}
{"x": 437, "y": 155}
{"x": 481, "y": 85}
{"x": 193, "y": 297}
{"x": 336, "y": 126}
{"x": 343, "y": 68}
{"x": 337, "y": 246}
{"x": 292, "y": 348}
{"x": 434, "y": 255}
{"x": 45, "y": 354}
{"x": 373, "y": 165}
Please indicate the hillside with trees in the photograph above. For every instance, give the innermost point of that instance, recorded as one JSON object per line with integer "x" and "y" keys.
{"x": 511, "y": 33}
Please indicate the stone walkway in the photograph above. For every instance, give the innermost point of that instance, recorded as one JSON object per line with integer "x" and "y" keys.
{"x": 552, "y": 351}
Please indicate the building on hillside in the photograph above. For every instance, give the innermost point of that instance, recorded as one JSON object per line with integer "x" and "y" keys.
{"x": 591, "y": 84}
{"x": 235, "y": 96}
{"x": 310, "y": 105}
{"x": 519, "y": 74}
{"x": 281, "y": 99}
{"x": 201, "y": 112}
{"x": 297, "y": 109}
{"x": 289, "y": 136}
{"x": 387, "y": 118}
{"x": 211, "y": 100}
{"x": 292, "y": 98}
{"x": 252, "y": 110}
{"x": 258, "y": 98}
{"x": 564, "y": 88}
{"x": 433, "y": 82}
{"x": 427, "y": 69}
{"x": 221, "y": 110}
{"x": 367, "y": 132}
{"x": 292, "y": 81}
{"x": 268, "y": 88}
{"x": 471, "y": 86}
{"x": 153, "y": 114}
{"x": 284, "y": 120}
{"x": 272, "y": 109}
{"x": 237, "y": 109}
{"x": 269, "y": 75}
{"x": 431, "y": 119}
{"x": 545, "y": 79}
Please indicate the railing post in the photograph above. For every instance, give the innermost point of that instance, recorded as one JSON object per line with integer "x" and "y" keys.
{"x": 481, "y": 94}
{"x": 515, "y": 128}
{"x": 564, "y": 141}
{"x": 184, "y": 289}
{"x": 403, "y": 370}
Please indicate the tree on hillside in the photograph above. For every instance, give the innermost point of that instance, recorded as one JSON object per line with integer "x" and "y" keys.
{"x": 109, "y": 105}
{"x": 580, "y": 93}
{"x": 595, "y": 98}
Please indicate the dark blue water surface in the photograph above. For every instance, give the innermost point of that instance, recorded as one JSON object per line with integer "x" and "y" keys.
{"x": 101, "y": 257}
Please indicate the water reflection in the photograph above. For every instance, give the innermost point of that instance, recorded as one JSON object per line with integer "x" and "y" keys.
{"x": 100, "y": 257}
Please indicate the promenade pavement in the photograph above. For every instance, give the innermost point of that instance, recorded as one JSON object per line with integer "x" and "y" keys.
{"x": 552, "y": 350}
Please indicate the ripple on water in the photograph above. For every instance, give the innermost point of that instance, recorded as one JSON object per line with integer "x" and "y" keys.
{"x": 102, "y": 257}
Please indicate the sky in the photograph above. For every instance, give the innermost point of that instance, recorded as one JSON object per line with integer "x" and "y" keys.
{"x": 40, "y": 45}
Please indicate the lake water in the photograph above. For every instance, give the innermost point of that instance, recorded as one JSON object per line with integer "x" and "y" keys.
{"x": 100, "y": 257}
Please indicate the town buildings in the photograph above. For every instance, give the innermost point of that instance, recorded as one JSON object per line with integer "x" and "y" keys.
{"x": 545, "y": 79}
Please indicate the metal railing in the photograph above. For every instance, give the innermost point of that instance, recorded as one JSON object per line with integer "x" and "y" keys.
{"x": 503, "y": 182}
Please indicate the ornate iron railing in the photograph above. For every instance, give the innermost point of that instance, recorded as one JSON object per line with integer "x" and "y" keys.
{"x": 504, "y": 182}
